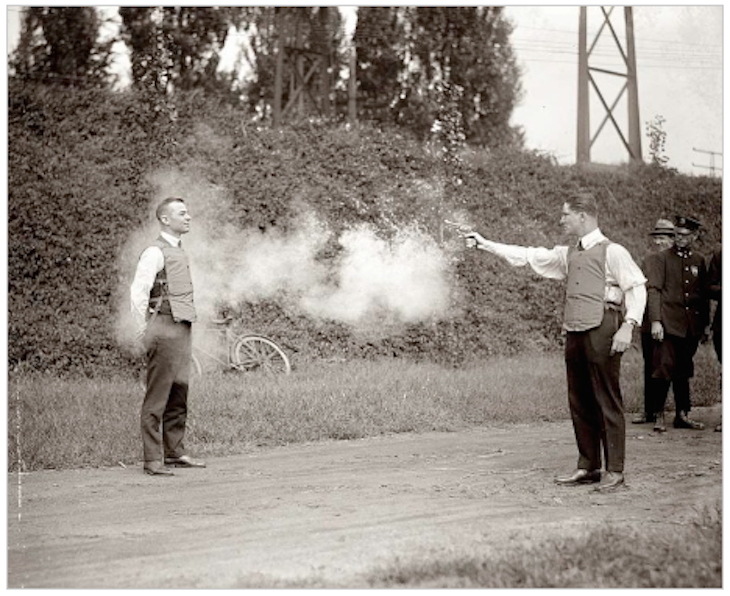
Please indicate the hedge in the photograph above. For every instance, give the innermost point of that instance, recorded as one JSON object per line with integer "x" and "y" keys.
{"x": 85, "y": 168}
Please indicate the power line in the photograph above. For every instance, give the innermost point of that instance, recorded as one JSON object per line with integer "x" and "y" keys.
{"x": 574, "y": 33}
{"x": 640, "y": 64}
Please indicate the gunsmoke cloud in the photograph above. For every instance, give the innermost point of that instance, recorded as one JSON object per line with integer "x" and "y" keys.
{"x": 374, "y": 281}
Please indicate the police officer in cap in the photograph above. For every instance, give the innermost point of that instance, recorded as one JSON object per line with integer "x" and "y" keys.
{"x": 660, "y": 238}
{"x": 678, "y": 311}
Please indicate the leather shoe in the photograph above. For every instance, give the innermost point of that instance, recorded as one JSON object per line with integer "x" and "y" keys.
{"x": 659, "y": 424}
{"x": 643, "y": 419}
{"x": 683, "y": 421}
{"x": 184, "y": 461}
{"x": 157, "y": 469}
{"x": 580, "y": 476}
{"x": 610, "y": 481}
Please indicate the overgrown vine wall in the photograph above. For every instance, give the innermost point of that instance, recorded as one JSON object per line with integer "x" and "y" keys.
{"x": 82, "y": 171}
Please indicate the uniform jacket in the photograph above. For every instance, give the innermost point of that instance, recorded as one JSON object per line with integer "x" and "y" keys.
{"x": 645, "y": 266}
{"x": 677, "y": 292}
{"x": 714, "y": 286}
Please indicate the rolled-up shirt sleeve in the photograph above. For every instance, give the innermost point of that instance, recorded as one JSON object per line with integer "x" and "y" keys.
{"x": 150, "y": 264}
{"x": 626, "y": 274}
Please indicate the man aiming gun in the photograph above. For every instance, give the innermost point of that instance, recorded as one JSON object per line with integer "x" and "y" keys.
{"x": 601, "y": 278}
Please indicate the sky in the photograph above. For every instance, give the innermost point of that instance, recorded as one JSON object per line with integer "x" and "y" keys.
{"x": 679, "y": 70}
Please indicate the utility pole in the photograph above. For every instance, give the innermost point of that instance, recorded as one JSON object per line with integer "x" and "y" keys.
{"x": 589, "y": 77}
{"x": 712, "y": 155}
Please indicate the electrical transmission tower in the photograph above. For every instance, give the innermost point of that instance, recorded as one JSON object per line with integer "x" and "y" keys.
{"x": 305, "y": 67}
{"x": 590, "y": 76}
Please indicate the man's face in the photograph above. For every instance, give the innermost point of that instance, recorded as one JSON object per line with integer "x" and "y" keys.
{"x": 570, "y": 220}
{"x": 662, "y": 241}
{"x": 683, "y": 238}
{"x": 177, "y": 218}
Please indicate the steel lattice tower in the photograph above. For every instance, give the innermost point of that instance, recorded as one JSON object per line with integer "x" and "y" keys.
{"x": 588, "y": 80}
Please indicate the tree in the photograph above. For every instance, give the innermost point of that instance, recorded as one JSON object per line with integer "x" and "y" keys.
{"x": 62, "y": 45}
{"x": 378, "y": 36}
{"x": 657, "y": 141}
{"x": 176, "y": 47}
{"x": 466, "y": 47}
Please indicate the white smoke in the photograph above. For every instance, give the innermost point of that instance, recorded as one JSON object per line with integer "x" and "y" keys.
{"x": 374, "y": 281}
{"x": 404, "y": 279}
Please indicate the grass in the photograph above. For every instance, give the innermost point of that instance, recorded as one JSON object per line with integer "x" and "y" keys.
{"x": 66, "y": 423}
{"x": 706, "y": 385}
{"x": 608, "y": 556}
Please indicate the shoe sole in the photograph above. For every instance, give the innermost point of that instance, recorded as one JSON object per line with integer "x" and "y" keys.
{"x": 578, "y": 482}
{"x": 152, "y": 473}
{"x": 607, "y": 489}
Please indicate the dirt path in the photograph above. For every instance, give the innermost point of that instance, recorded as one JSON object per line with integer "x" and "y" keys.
{"x": 335, "y": 510}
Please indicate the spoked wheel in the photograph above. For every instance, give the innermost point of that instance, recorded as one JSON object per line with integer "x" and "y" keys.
{"x": 259, "y": 353}
{"x": 196, "y": 369}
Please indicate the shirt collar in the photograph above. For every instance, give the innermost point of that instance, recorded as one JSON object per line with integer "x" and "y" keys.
{"x": 591, "y": 239}
{"x": 170, "y": 238}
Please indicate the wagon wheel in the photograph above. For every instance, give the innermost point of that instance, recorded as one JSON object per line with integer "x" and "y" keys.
{"x": 196, "y": 368}
{"x": 259, "y": 353}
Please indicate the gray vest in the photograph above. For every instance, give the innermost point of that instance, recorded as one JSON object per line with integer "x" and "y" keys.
{"x": 586, "y": 289}
{"x": 172, "y": 292}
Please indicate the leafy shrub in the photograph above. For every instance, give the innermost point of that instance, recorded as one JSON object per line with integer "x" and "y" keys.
{"x": 82, "y": 168}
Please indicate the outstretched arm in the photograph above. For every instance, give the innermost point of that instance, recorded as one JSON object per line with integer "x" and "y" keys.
{"x": 547, "y": 262}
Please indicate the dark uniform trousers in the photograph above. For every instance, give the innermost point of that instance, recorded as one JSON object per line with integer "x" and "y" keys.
{"x": 647, "y": 350}
{"x": 594, "y": 394}
{"x": 164, "y": 410}
{"x": 673, "y": 363}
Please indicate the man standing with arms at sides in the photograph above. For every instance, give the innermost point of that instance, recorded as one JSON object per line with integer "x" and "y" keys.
{"x": 661, "y": 237}
{"x": 163, "y": 311}
{"x": 600, "y": 275}
{"x": 679, "y": 311}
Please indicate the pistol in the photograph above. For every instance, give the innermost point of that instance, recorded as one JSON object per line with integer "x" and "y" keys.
{"x": 460, "y": 228}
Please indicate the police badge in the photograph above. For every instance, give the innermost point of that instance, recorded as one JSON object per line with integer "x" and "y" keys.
{"x": 694, "y": 270}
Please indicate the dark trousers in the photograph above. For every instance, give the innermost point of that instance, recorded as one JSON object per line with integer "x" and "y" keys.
{"x": 674, "y": 363}
{"x": 647, "y": 350}
{"x": 165, "y": 408}
{"x": 594, "y": 395}
{"x": 717, "y": 342}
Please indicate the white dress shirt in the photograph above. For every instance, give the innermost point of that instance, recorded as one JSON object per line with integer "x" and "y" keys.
{"x": 621, "y": 270}
{"x": 151, "y": 262}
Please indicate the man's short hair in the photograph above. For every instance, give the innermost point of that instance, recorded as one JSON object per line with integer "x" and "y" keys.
{"x": 583, "y": 202}
{"x": 162, "y": 207}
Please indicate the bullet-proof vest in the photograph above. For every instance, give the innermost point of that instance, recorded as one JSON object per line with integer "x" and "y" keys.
{"x": 585, "y": 294}
{"x": 172, "y": 292}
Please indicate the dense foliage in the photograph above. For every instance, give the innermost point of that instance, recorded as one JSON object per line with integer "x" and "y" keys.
{"x": 62, "y": 44}
{"x": 183, "y": 41}
{"x": 81, "y": 165}
{"x": 404, "y": 53}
